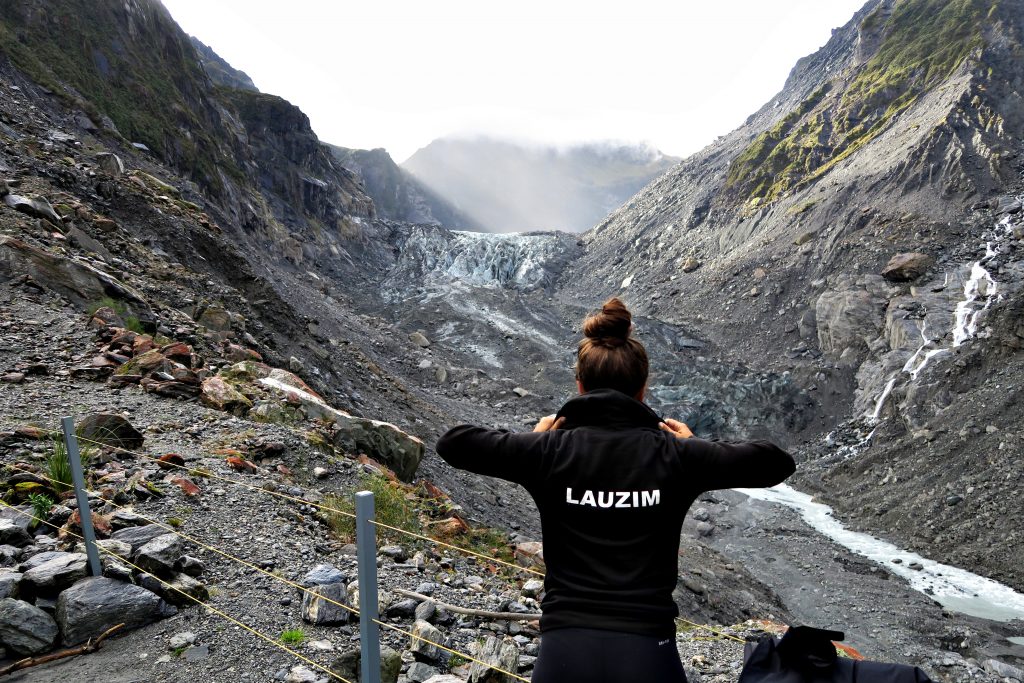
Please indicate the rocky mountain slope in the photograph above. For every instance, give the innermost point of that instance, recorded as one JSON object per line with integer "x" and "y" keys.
{"x": 900, "y": 136}
{"x": 251, "y": 284}
{"x": 508, "y": 187}
{"x": 396, "y": 193}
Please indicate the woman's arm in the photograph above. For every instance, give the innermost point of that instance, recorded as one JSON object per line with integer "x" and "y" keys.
{"x": 495, "y": 452}
{"x": 728, "y": 464}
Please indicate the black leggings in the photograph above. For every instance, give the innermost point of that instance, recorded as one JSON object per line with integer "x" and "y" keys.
{"x": 585, "y": 655}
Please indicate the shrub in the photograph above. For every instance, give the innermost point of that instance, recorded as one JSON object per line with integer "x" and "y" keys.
{"x": 392, "y": 508}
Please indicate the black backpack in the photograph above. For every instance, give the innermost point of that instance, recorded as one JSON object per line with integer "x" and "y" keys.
{"x": 807, "y": 655}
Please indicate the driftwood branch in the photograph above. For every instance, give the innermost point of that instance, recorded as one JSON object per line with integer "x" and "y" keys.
{"x": 507, "y": 616}
{"x": 89, "y": 646}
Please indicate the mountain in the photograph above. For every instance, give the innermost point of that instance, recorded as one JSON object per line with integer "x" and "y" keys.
{"x": 219, "y": 71}
{"x": 239, "y": 294}
{"x": 396, "y": 193}
{"x": 510, "y": 187}
{"x": 900, "y": 136}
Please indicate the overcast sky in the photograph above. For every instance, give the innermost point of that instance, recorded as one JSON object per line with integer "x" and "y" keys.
{"x": 400, "y": 73}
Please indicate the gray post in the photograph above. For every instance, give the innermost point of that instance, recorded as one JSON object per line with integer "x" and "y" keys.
{"x": 369, "y": 631}
{"x": 78, "y": 476}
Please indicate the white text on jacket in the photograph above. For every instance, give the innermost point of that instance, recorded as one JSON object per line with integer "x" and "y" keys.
{"x": 615, "y": 499}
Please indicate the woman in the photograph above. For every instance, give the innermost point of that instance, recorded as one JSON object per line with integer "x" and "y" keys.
{"x": 613, "y": 482}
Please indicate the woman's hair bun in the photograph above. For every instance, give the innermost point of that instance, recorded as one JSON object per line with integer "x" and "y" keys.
{"x": 612, "y": 323}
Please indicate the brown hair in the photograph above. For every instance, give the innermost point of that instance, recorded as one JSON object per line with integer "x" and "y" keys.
{"x": 608, "y": 358}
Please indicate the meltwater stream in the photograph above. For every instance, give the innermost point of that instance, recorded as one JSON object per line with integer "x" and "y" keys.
{"x": 955, "y": 589}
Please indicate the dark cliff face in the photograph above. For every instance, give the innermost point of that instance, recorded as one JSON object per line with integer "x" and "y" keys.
{"x": 396, "y": 194}
{"x": 219, "y": 71}
{"x": 137, "y": 75}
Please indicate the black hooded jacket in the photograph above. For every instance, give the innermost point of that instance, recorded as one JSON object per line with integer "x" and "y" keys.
{"x": 612, "y": 490}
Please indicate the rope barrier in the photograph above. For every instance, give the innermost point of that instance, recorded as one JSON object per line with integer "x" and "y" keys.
{"x": 705, "y": 627}
{"x": 326, "y": 508}
{"x": 201, "y": 544}
{"x": 213, "y": 609}
{"x": 378, "y": 524}
{"x": 274, "y": 576}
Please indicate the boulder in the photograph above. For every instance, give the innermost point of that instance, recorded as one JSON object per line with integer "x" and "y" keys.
{"x": 907, "y": 266}
{"x": 138, "y": 536}
{"x": 530, "y": 554}
{"x": 381, "y": 440}
{"x": 850, "y": 314}
{"x": 215, "y": 318}
{"x": 37, "y": 207}
{"x": 53, "y": 576}
{"x": 110, "y": 429}
{"x": 419, "y": 339}
{"x": 421, "y": 648}
{"x": 347, "y": 665}
{"x": 503, "y": 654}
{"x": 691, "y": 264}
{"x": 80, "y": 282}
{"x": 322, "y": 575}
{"x": 110, "y": 163}
{"x": 25, "y": 629}
{"x": 183, "y": 590}
{"x": 221, "y": 395}
{"x": 12, "y": 533}
{"x": 40, "y": 558}
{"x": 93, "y": 605}
{"x": 10, "y": 584}
{"x": 323, "y": 608}
{"x": 159, "y": 555}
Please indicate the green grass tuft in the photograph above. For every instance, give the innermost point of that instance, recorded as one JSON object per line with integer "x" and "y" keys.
{"x": 391, "y": 506}
{"x": 293, "y": 636}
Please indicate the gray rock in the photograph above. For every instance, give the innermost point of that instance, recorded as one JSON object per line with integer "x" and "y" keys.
{"x": 403, "y": 608}
{"x": 1006, "y": 204}
{"x": 532, "y": 588}
{"x": 160, "y": 555}
{"x": 24, "y": 628}
{"x": 138, "y": 536}
{"x": 37, "y": 207}
{"x": 1004, "y": 670}
{"x": 503, "y": 654}
{"x": 851, "y": 314}
{"x": 691, "y": 264}
{"x": 421, "y": 648}
{"x": 324, "y": 607}
{"x": 192, "y": 566}
{"x": 184, "y": 591}
{"x": 10, "y": 584}
{"x": 110, "y": 429}
{"x": 395, "y": 552}
{"x": 444, "y": 678}
{"x": 348, "y": 662}
{"x": 419, "y": 339}
{"x": 183, "y": 639}
{"x": 419, "y": 672}
{"x": 8, "y": 556}
{"x": 55, "y": 575}
{"x": 907, "y": 266}
{"x": 93, "y": 605}
{"x": 705, "y": 528}
{"x": 321, "y": 575}
{"x": 40, "y": 558}
{"x": 17, "y": 514}
{"x": 122, "y": 519}
{"x": 110, "y": 163}
{"x": 303, "y": 674}
{"x": 13, "y": 534}
{"x": 425, "y": 611}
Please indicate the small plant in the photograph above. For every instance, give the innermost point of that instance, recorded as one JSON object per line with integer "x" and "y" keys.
{"x": 456, "y": 660}
{"x": 175, "y": 522}
{"x": 58, "y": 467}
{"x": 107, "y": 302}
{"x": 134, "y": 324}
{"x": 41, "y": 505}
{"x": 293, "y": 636}
{"x": 392, "y": 508}
{"x": 178, "y": 651}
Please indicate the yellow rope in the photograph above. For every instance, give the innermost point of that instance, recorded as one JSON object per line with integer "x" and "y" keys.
{"x": 213, "y": 609}
{"x": 201, "y": 544}
{"x": 713, "y": 630}
{"x": 325, "y": 508}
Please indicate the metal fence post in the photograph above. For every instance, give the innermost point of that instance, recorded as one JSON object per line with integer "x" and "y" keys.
{"x": 369, "y": 631}
{"x": 78, "y": 477}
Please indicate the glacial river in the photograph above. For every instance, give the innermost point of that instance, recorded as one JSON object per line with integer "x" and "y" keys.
{"x": 955, "y": 589}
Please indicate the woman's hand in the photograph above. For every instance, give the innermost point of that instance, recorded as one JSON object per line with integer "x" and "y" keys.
{"x": 676, "y": 428}
{"x": 548, "y": 423}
